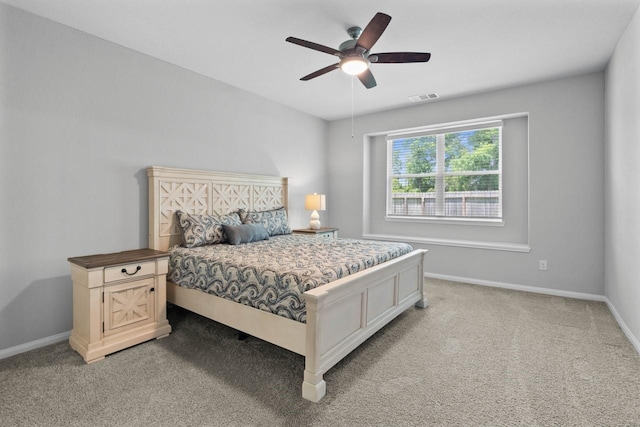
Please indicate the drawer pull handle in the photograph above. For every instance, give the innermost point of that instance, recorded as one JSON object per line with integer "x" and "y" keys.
{"x": 124, "y": 270}
{"x": 152, "y": 289}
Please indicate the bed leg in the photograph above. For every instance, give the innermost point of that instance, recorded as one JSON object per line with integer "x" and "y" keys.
{"x": 423, "y": 303}
{"x": 313, "y": 387}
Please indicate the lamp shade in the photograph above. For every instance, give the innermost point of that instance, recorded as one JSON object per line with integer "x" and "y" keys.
{"x": 315, "y": 202}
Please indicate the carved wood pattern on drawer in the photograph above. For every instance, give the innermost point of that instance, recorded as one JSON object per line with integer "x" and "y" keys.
{"x": 128, "y": 304}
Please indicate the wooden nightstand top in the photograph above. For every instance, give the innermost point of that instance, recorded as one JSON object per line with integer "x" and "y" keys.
{"x": 319, "y": 231}
{"x": 105, "y": 260}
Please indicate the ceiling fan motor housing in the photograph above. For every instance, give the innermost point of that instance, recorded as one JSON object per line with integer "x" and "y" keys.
{"x": 348, "y": 45}
{"x": 349, "y": 48}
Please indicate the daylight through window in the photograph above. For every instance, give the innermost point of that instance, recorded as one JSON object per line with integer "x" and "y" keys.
{"x": 452, "y": 172}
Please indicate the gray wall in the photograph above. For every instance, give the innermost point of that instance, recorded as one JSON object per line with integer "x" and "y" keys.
{"x": 565, "y": 180}
{"x": 80, "y": 120}
{"x": 622, "y": 179}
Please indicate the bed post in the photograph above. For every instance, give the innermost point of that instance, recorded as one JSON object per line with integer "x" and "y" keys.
{"x": 422, "y": 302}
{"x": 154, "y": 211}
{"x": 313, "y": 387}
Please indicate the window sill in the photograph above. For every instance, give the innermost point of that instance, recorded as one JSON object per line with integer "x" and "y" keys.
{"x": 494, "y": 246}
{"x": 447, "y": 221}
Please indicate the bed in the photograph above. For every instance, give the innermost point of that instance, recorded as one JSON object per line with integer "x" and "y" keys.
{"x": 338, "y": 316}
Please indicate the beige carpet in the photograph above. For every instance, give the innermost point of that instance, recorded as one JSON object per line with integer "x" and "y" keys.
{"x": 477, "y": 356}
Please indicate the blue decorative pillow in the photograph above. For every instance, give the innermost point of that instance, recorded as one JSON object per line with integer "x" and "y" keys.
{"x": 200, "y": 230}
{"x": 275, "y": 221}
{"x": 245, "y": 233}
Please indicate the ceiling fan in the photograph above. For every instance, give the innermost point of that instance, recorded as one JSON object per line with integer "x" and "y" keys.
{"x": 355, "y": 54}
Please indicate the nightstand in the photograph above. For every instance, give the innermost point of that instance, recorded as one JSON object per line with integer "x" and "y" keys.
{"x": 119, "y": 300}
{"x": 328, "y": 232}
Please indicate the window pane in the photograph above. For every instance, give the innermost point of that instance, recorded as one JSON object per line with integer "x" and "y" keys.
{"x": 472, "y": 183}
{"x": 472, "y": 205}
{"x": 414, "y": 155}
{"x": 475, "y": 150}
{"x": 413, "y": 204}
{"x": 413, "y": 185}
{"x": 472, "y": 196}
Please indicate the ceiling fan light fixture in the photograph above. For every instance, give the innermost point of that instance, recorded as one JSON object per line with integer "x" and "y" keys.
{"x": 354, "y": 65}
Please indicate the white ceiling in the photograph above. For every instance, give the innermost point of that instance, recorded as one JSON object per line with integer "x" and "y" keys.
{"x": 476, "y": 45}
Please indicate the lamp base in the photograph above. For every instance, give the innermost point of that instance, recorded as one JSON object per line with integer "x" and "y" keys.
{"x": 314, "y": 224}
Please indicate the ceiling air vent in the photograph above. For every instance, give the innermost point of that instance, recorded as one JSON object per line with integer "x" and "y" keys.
{"x": 425, "y": 97}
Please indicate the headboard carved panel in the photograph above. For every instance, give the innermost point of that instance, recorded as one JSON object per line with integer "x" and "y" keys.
{"x": 204, "y": 192}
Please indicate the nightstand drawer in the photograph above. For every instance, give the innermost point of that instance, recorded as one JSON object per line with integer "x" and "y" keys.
{"x": 327, "y": 235}
{"x": 322, "y": 232}
{"x": 129, "y": 271}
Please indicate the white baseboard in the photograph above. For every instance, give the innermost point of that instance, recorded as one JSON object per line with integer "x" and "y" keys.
{"x": 547, "y": 291}
{"x": 32, "y": 345}
{"x": 534, "y": 289}
{"x": 634, "y": 341}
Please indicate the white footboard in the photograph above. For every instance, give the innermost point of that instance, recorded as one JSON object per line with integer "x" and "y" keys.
{"x": 343, "y": 314}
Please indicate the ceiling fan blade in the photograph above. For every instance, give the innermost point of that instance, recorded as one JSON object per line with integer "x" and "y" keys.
{"x": 373, "y": 31}
{"x": 399, "y": 57}
{"x": 367, "y": 79}
{"x": 320, "y": 72}
{"x": 312, "y": 45}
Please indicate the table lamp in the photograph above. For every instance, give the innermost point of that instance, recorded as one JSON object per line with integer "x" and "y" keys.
{"x": 315, "y": 202}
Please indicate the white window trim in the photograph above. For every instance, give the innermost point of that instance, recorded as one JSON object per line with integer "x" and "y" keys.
{"x": 445, "y": 128}
{"x": 487, "y": 222}
{"x": 473, "y": 244}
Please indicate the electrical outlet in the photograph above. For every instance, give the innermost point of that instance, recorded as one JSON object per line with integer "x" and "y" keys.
{"x": 543, "y": 265}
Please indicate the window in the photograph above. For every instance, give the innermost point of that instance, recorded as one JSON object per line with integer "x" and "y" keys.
{"x": 453, "y": 172}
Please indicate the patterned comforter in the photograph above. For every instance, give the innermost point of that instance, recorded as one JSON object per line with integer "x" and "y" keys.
{"x": 272, "y": 274}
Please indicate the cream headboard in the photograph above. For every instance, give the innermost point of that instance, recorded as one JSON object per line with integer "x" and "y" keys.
{"x": 205, "y": 192}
